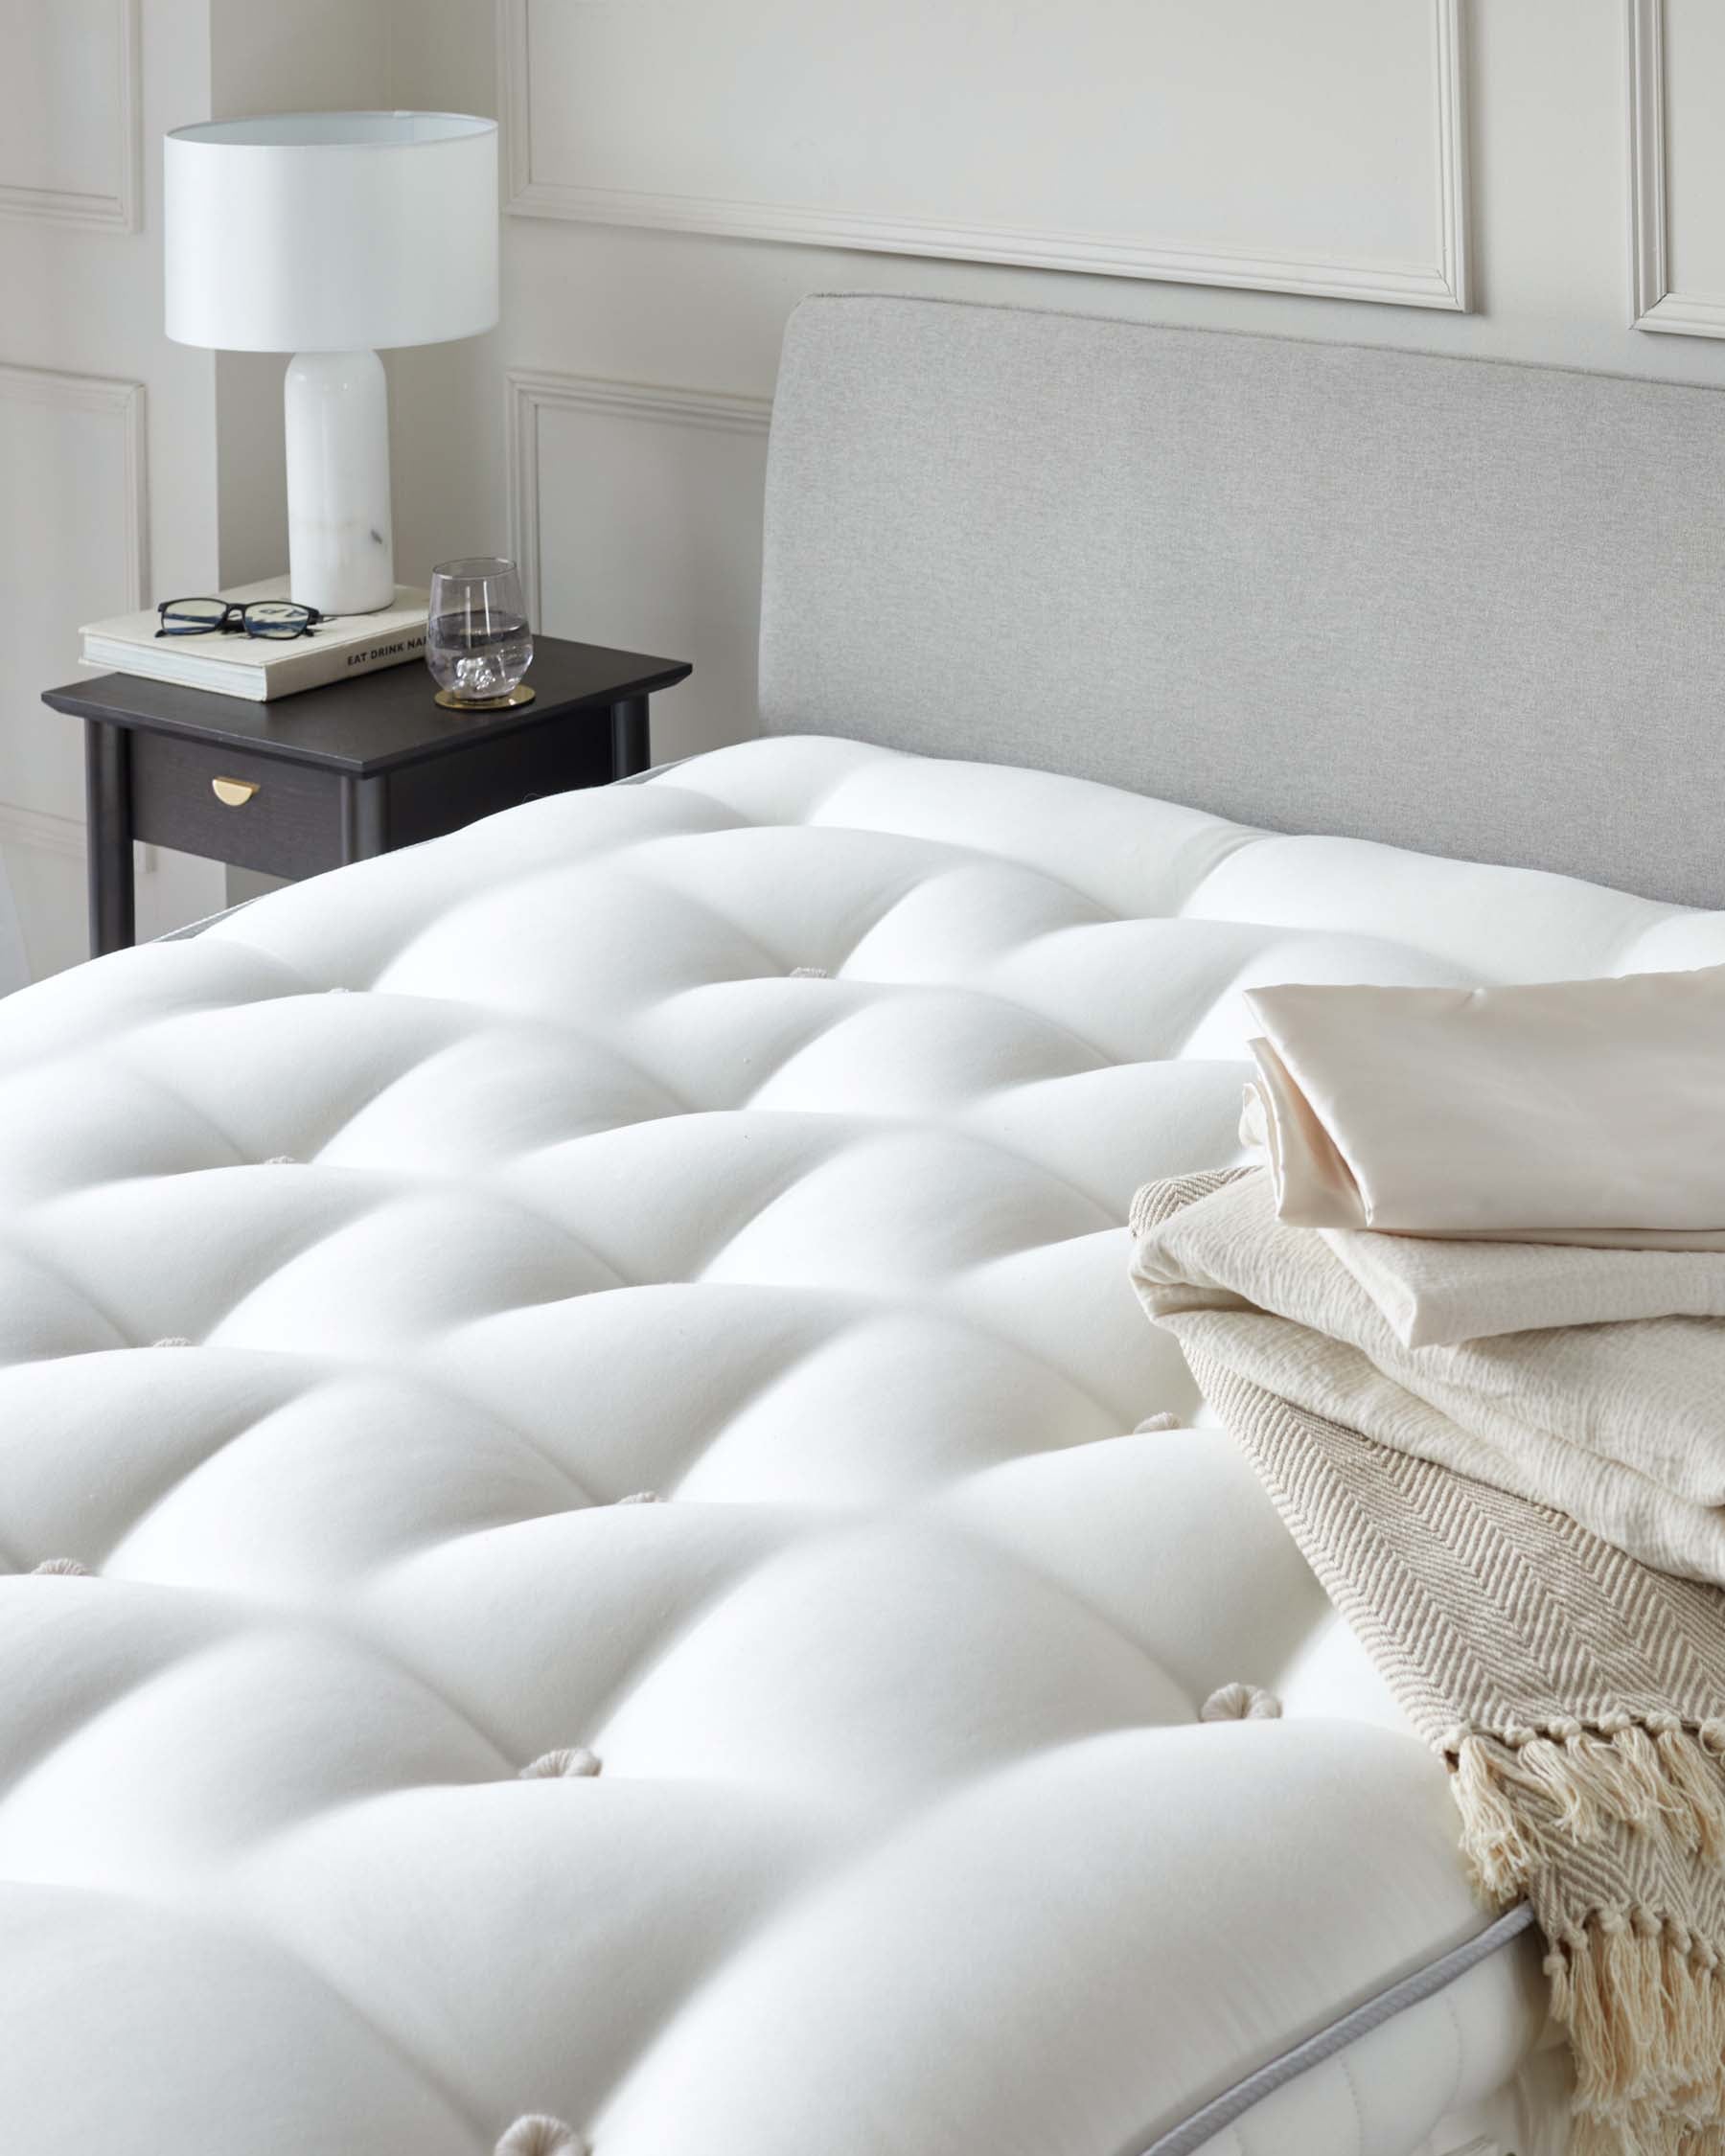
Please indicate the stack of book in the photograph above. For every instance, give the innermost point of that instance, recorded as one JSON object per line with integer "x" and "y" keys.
{"x": 261, "y": 668}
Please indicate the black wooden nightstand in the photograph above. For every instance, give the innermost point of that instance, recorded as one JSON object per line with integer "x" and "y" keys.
{"x": 332, "y": 775}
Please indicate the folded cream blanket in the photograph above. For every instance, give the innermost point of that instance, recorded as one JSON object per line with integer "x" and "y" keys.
{"x": 1568, "y": 1111}
{"x": 1622, "y": 1427}
{"x": 1503, "y": 1523}
{"x": 1435, "y": 1291}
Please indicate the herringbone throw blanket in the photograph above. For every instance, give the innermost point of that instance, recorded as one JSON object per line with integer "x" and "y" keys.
{"x": 1576, "y": 1695}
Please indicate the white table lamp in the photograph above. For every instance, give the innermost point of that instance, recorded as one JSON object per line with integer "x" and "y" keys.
{"x": 325, "y": 235}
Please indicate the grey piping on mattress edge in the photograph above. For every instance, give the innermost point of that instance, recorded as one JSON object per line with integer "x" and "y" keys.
{"x": 1210, "y": 2119}
{"x": 657, "y": 771}
{"x": 197, "y": 928}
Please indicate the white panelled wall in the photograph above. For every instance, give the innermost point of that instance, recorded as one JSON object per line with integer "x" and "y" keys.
{"x": 1527, "y": 181}
{"x": 107, "y": 466}
{"x": 682, "y": 170}
{"x": 132, "y": 468}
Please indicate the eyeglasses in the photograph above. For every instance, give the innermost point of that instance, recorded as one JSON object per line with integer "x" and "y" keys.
{"x": 276, "y": 619}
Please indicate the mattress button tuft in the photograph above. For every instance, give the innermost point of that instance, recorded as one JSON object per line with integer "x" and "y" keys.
{"x": 1241, "y": 1703}
{"x": 69, "y": 1566}
{"x": 568, "y": 1764}
{"x": 538, "y": 2134}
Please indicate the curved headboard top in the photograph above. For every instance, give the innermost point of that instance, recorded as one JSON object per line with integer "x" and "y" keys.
{"x": 1458, "y": 605}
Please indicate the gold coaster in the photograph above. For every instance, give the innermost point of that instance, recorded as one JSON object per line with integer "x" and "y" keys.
{"x": 519, "y": 695}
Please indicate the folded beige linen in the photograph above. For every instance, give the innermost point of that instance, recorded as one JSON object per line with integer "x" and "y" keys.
{"x": 1460, "y": 1504}
{"x": 1620, "y": 1426}
{"x": 1437, "y": 1290}
{"x": 1583, "y": 1112}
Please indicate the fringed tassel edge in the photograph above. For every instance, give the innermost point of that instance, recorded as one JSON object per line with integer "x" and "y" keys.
{"x": 1644, "y": 2003}
{"x": 1641, "y": 1997}
{"x": 1526, "y": 1792}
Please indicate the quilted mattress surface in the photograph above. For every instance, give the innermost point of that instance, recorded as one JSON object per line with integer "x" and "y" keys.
{"x": 574, "y": 1538}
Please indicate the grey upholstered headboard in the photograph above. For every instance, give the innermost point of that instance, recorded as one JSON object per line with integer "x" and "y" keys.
{"x": 1456, "y": 605}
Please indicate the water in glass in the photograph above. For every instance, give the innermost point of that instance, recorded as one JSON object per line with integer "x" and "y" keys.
{"x": 477, "y": 642}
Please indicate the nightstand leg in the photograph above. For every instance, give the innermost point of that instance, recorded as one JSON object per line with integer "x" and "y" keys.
{"x": 364, "y": 819}
{"x": 631, "y": 751}
{"x": 108, "y": 835}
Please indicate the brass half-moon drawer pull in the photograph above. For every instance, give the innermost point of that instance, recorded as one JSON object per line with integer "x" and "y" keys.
{"x": 236, "y": 792}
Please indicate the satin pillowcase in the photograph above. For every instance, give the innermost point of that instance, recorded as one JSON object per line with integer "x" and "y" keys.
{"x": 1586, "y": 1112}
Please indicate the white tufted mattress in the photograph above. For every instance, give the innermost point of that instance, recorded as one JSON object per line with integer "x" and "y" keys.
{"x": 759, "y": 1137}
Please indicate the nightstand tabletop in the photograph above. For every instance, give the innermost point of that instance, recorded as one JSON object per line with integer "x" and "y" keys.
{"x": 379, "y": 722}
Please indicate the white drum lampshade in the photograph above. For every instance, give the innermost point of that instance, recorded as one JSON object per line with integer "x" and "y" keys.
{"x": 327, "y": 234}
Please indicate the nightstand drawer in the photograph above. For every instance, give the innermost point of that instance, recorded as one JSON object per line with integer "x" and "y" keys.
{"x": 340, "y": 773}
{"x": 287, "y": 824}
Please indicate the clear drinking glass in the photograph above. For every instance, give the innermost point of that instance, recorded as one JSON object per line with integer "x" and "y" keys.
{"x": 478, "y": 641}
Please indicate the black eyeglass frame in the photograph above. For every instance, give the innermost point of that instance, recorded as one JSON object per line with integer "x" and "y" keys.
{"x": 236, "y": 619}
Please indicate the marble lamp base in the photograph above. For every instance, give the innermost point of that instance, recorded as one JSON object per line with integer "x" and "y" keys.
{"x": 341, "y": 548}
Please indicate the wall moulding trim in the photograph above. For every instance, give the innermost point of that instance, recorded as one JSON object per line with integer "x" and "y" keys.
{"x": 47, "y": 387}
{"x": 100, "y": 394}
{"x": 118, "y": 212}
{"x": 528, "y": 394}
{"x": 1652, "y": 303}
{"x": 1442, "y": 282}
{"x": 61, "y": 836}
{"x": 41, "y": 833}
